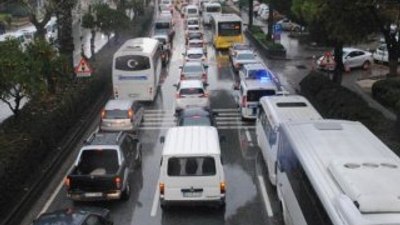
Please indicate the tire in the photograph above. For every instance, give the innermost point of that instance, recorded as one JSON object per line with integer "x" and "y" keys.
{"x": 126, "y": 193}
{"x": 366, "y": 65}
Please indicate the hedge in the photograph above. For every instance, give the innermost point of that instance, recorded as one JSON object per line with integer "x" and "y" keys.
{"x": 259, "y": 34}
{"x": 387, "y": 92}
{"x": 337, "y": 102}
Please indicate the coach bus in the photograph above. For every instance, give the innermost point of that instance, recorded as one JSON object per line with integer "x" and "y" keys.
{"x": 336, "y": 172}
{"x": 226, "y": 29}
{"x": 136, "y": 69}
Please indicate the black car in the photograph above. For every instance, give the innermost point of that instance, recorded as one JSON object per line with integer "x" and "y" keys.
{"x": 196, "y": 117}
{"x": 77, "y": 216}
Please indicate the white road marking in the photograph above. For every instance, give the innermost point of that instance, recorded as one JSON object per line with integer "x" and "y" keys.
{"x": 264, "y": 193}
{"x": 160, "y": 123}
{"x": 156, "y": 200}
{"x": 228, "y": 114}
{"x": 248, "y": 136}
{"x": 232, "y": 123}
{"x": 234, "y": 118}
{"x": 53, "y": 196}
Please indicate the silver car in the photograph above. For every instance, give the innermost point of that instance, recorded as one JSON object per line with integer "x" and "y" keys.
{"x": 121, "y": 115}
{"x": 243, "y": 57}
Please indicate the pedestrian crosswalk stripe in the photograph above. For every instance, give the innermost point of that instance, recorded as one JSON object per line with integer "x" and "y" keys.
{"x": 218, "y": 127}
{"x": 228, "y": 118}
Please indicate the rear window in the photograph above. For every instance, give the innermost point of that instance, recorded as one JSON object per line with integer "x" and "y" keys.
{"x": 195, "y": 120}
{"x": 245, "y": 56}
{"x": 195, "y": 45}
{"x": 191, "y": 91}
{"x": 132, "y": 63}
{"x": 162, "y": 25}
{"x": 195, "y": 36}
{"x": 192, "y": 69}
{"x": 61, "y": 219}
{"x": 213, "y": 9}
{"x": 116, "y": 114}
{"x": 191, "y": 166}
{"x": 291, "y": 104}
{"x": 195, "y": 56}
{"x": 254, "y": 96}
{"x": 193, "y": 22}
{"x": 192, "y": 11}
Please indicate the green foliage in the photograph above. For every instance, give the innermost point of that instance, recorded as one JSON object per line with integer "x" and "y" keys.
{"x": 259, "y": 34}
{"x": 88, "y": 21}
{"x": 107, "y": 20}
{"x": 387, "y": 92}
{"x": 19, "y": 74}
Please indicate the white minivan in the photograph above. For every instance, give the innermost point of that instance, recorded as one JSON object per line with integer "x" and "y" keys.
{"x": 191, "y": 168}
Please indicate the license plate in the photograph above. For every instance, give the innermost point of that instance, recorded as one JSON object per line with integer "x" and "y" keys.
{"x": 94, "y": 194}
{"x": 191, "y": 194}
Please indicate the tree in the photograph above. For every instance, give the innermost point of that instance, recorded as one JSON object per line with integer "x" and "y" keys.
{"x": 343, "y": 21}
{"x": 19, "y": 75}
{"x": 50, "y": 65}
{"x": 88, "y": 22}
{"x": 64, "y": 20}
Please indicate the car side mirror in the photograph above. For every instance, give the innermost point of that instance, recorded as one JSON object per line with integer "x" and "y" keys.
{"x": 162, "y": 139}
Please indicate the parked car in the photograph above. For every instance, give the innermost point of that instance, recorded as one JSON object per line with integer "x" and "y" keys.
{"x": 352, "y": 58}
{"x": 191, "y": 93}
{"x": 196, "y": 116}
{"x": 288, "y": 25}
{"x": 243, "y": 57}
{"x": 121, "y": 115}
{"x": 256, "y": 71}
{"x": 195, "y": 54}
{"x": 194, "y": 70}
{"x": 381, "y": 54}
{"x": 103, "y": 167}
{"x": 76, "y": 216}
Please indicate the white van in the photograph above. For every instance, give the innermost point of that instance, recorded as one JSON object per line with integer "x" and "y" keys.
{"x": 191, "y": 169}
{"x": 274, "y": 111}
{"x": 249, "y": 93}
{"x": 210, "y": 9}
{"x": 192, "y": 11}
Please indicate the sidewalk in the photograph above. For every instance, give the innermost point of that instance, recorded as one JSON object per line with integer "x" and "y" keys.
{"x": 359, "y": 81}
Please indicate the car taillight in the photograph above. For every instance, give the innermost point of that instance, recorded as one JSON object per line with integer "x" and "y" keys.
{"x": 130, "y": 113}
{"x": 204, "y": 77}
{"x": 222, "y": 187}
{"x": 161, "y": 187}
{"x": 103, "y": 113}
{"x": 117, "y": 181}
{"x": 67, "y": 182}
{"x": 244, "y": 101}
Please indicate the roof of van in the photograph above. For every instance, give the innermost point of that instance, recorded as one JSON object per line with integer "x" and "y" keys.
{"x": 344, "y": 158}
{"x": 141, "y": 45}
{"x": 192, "y": 7}
{"x": 123, "y": 104}
{"x": 191, "y": 140}
{"x": 212, "y": 4}
{"x": 288, "y": 108}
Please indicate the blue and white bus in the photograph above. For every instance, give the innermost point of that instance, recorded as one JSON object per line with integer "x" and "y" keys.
{"x": 136, "y": 69}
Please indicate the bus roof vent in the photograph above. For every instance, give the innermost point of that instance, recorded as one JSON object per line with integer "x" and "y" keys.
{"x": 372, "y": 184}
{"x": 328, "y": 126}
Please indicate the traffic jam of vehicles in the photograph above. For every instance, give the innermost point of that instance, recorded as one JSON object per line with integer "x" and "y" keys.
{"x": 319, "y": 171}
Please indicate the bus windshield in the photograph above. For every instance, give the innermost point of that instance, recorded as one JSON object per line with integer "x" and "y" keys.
{"x": 229, "y": 28}
{"x": 132, "y": 63}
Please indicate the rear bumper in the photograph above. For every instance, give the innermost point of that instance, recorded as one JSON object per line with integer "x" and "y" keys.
{"x": 202, "y": 202}
{"x": 95, "y": 196}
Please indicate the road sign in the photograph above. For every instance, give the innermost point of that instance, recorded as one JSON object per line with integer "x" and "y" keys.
{"x": 277, "y": 28}
{"x": 83, "y": 69}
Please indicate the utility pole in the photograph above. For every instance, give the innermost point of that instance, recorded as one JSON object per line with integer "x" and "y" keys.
{"x": 250, "y": 13}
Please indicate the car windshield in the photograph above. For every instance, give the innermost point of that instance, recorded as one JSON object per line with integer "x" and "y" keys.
{"x": 195, "y": 121}
{"x": 195, "y": 36}
{"x": 257, "y": 74}
{"x": 61, "y": 219}
{"x": 162, "y": 25}
{"x": 245, "y": 56}
{"x": 255, "y": 95}
{"x": 192, "y": 11}
{"x": 193, "y": 22}
{"x": 192, "y": 69}
{"x": 213, "y": 9}
{"x": 115, "y": 114}
{"x": 241, "y": 47}
{"x": 191, "y": 91}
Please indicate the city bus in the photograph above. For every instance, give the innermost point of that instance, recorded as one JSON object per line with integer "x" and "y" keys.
{"x": 272, "y": 112}
{"x": 336, "y": 172}
{"x": 210, "y": 9}
{"x": 226, "y": 30}
{"x": 136, "y": 69}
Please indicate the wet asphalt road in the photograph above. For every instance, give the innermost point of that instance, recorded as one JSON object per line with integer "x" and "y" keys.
{"x": 244, "y": 170}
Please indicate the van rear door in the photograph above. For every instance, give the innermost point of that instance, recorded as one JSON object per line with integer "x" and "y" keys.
{"x": 193, "y": 179}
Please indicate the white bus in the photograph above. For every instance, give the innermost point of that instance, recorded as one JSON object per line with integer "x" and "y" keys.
{"x": 136, "y": 69}
{"x": 210, "y": 9}
{"x": 336, "y": 172}
{"x": 273, "y": 111}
